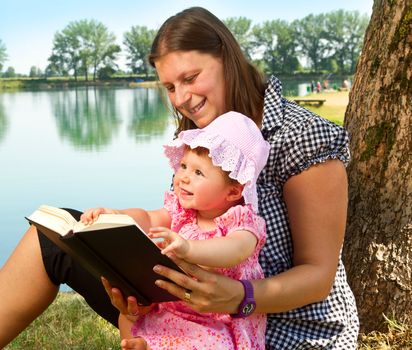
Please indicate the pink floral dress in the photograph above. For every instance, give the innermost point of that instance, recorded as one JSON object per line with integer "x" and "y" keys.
{"x": 174, "y": 325}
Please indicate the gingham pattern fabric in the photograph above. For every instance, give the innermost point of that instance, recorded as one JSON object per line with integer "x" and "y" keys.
{"x": 299, "y": 139}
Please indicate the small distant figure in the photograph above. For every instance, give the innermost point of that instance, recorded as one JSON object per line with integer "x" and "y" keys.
{"x": 318, "y": 87}
{"x": 345, "y": 84}
{"x": 312, "y": 86}
{"x": 326, "y": 84}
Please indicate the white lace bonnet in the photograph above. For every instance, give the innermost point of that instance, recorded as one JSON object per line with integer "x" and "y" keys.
{"x": 235, "y": 144}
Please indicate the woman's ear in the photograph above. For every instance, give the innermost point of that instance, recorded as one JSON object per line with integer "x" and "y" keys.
{"x": 235, "y": 193}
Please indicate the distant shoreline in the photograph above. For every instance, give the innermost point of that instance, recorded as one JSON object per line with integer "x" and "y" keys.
{"x": 333, "y": 109}
{"x": 24, "y": 84}
{"x": 27, "y": 83}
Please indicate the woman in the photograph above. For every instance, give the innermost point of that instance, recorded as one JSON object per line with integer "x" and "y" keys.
{"x": 302, "y": 196}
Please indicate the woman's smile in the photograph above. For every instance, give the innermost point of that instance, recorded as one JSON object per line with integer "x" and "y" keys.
{"x": 195, "y": 85}
{"x": 198, "y": 107}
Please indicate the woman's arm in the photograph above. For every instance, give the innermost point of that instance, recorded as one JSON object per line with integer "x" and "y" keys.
{"x": 226, "y": 251}
{"x": 317, "y": 202}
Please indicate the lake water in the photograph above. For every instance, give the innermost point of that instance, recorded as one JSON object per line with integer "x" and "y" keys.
{"x": 83, "y": 148}
{"x": 80, "y": 148}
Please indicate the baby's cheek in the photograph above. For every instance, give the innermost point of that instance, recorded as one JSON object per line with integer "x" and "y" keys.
{"x": 175, "y": 183}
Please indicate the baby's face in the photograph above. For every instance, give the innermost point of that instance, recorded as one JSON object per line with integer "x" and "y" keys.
{"x": 199, "y": 184}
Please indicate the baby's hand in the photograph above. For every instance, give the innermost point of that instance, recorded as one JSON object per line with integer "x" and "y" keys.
{"x": 91, "y": 215}
{"x": 174, "y": 243}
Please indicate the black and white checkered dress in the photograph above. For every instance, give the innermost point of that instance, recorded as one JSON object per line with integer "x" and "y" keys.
{"x": 298, "y": 140}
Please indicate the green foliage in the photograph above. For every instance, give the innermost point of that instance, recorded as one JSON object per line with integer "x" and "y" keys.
{"x": 331, "y": 39}
{"x": 68, "y": 323}
{"x": 106, "y": 72}
{"x": 327, "y": 42}
{"x": 310, "y": 38}
{"x": 138, "y": 42}
{"x": 329, "y": 64}
{"x": 35, "y": 72}
{"x": 83, "y": 46}
{"x": 241, "y": 28}
{"x": 344, "y": 31}
{"x": 3, "y": 55}
{"x": 9, "y": 73}
{"x": 276, "y": 39}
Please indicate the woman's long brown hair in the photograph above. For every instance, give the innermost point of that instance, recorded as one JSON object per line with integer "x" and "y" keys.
{"x": 198, "y": 29}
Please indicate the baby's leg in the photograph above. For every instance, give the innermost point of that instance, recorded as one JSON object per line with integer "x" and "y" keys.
{"x": 128, "y": 341}
{"x": 125, "y": 327}
{"x": 134, "y": 344}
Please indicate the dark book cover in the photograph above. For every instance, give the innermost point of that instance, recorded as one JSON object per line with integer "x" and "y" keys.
{"x": 125, "y": 256}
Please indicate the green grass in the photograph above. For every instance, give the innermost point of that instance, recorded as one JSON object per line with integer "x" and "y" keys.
{"x": 335, "y": 114}
{"x": 397, "y": 337}
{"x": 334, "y": 107}
{"x": 70, "y": 324}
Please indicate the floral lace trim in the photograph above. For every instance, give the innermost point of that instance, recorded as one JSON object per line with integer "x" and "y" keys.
{"x": 223, "y": 154}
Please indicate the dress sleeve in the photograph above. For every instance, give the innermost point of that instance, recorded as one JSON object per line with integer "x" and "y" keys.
{"x": 242, "y": 217}
{"x": 179, "y": 215}
{"x": 170, "y": 202}
{"x": 317, "y": 140}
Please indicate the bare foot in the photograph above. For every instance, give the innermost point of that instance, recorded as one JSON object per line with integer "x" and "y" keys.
{"x": 134, "y": 344}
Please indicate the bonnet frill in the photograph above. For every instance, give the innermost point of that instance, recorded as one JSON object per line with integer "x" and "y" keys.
{"x": 235, "y": 144}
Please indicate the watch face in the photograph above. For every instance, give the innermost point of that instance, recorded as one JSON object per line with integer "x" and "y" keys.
{"x": 248, "y": 309}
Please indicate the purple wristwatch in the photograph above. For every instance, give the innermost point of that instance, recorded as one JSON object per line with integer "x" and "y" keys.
{"x": 248, "y": 304}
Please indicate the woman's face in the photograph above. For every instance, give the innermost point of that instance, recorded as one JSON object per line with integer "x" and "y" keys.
{"x": 195, "y": 84}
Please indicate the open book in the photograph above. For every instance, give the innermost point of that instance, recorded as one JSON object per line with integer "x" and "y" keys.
{"x": 114, "y": 246}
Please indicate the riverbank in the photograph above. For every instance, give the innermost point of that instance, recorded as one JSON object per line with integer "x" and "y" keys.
{"x": 38, "y": 84}
{"x": 70, "y": 324}
{"x": 134, "y": 80}
{"x": 333, "y": 108}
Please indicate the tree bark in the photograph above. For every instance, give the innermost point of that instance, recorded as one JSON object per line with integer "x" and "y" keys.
{"x": 378, "y": 245}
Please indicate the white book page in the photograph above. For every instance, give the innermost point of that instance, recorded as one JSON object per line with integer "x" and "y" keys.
{"x": 53, "y": 218}
{"x": 105, "y": 221}
{"x": 109, "y": 221}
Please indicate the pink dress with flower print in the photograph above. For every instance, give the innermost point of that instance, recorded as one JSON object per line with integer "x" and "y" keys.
{"x": 174, "y": 325}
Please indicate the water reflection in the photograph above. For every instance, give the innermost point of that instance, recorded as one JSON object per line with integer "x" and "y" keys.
{"x": 150, "y": 116}
{"x": 80, "y": 148}
{"x": 90, "y": 117}
{"x": 87, "y": 117}
{"x": 4, "y": 123}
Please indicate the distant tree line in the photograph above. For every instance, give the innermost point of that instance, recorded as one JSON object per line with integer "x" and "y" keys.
{"x": 328, "y": 42}
{"x": 3, "y": 55}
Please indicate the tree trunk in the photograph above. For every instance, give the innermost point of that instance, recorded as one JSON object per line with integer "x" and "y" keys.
{"x": 378, "y": 246}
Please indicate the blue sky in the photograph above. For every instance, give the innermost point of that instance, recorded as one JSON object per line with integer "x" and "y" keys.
{"x": 27, "y": 27}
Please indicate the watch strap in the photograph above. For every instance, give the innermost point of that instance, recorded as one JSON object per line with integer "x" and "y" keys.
{"x": 248, "y": 304}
